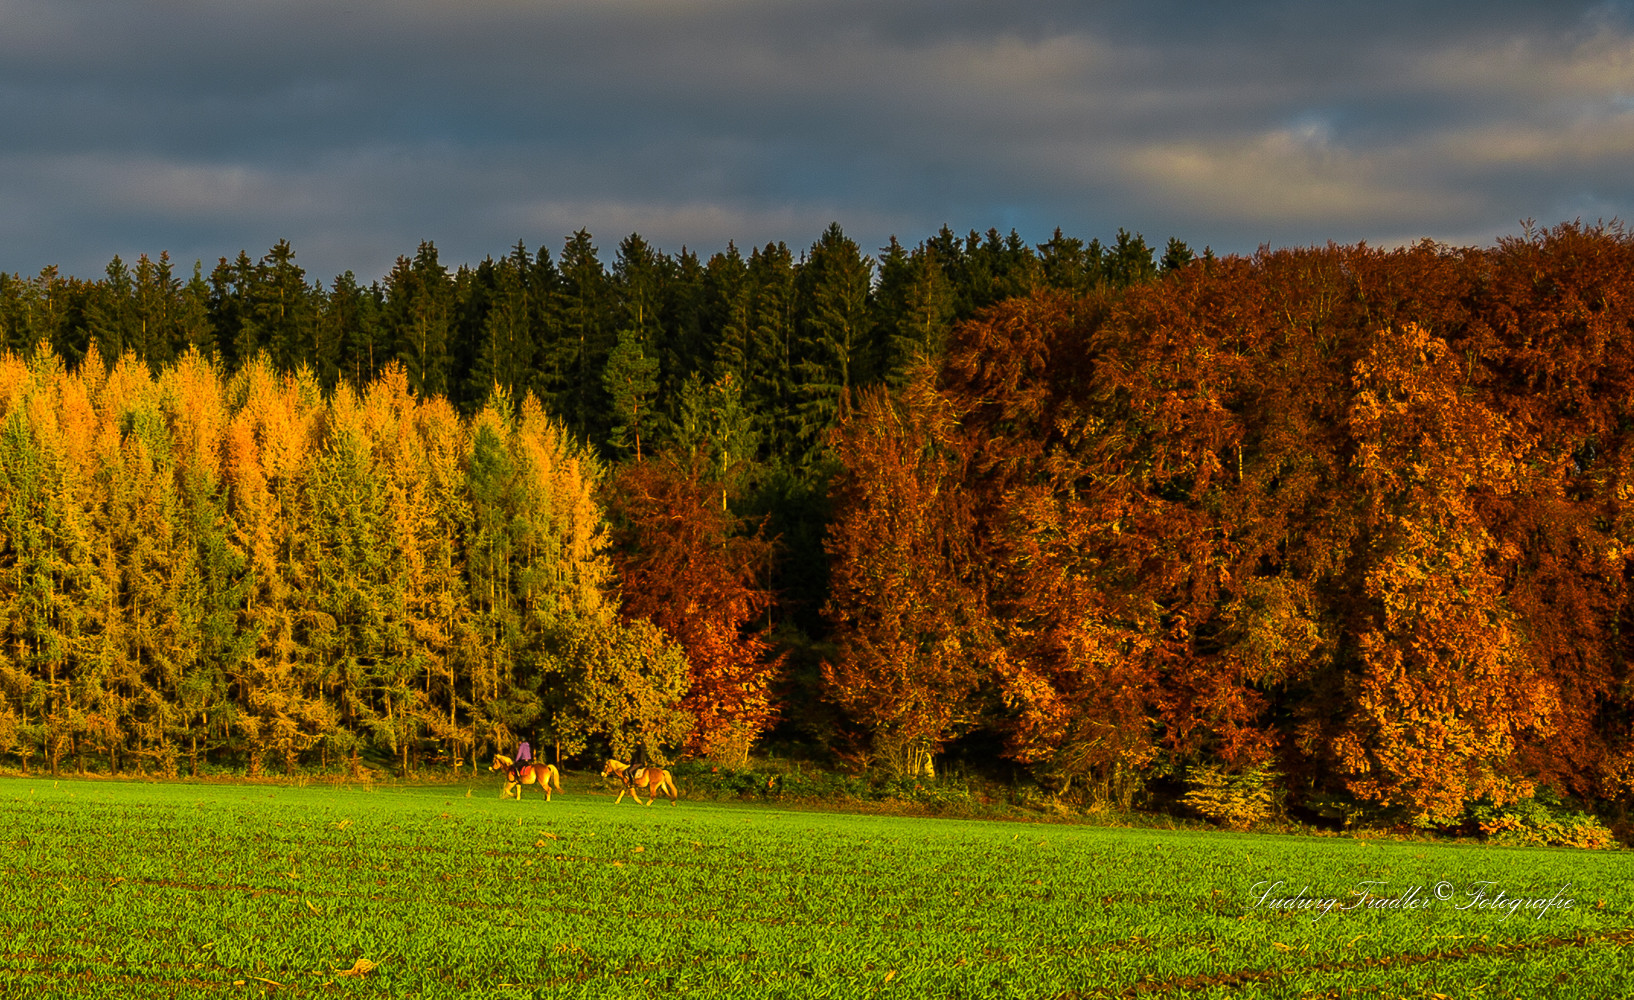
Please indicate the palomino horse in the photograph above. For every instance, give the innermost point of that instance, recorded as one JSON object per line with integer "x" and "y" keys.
{"x": 529, "y": 773}
{"x": 653, "y": 779}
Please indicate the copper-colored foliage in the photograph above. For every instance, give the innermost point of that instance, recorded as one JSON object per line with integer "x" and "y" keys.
{"x": 687, "y": 564}
{"x": 1361, "y": 513}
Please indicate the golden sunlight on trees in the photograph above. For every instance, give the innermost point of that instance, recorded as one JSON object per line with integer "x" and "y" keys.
{"x": 199, "y": 567}
{"x": 688, "y": 565}
{"x": 908, "y": 622}
{"x": 1355, "y": 523}
{"x": 1357, "y": 516}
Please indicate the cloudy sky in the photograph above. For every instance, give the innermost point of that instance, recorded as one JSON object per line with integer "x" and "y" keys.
{"x": 357, "y": 128}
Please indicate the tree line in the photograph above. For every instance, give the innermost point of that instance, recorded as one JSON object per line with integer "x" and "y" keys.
{"x": 1353, "y": 515}
{"x": 1358, "y": 517}
{"x": 254, "y": 520}
{"x": 625, "y": 356}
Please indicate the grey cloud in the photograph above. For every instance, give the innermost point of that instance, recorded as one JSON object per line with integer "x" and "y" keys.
{"x": 358, "y": 128}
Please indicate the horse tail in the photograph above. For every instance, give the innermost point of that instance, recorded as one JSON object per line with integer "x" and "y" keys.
{"x": 554, "y": 776}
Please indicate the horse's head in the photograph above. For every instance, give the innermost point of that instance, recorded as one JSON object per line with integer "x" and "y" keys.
{"x": 611, "y": 767}
{"x": 501, "y": 762}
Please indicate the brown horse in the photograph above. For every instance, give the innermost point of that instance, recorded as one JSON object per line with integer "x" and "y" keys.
{"x": 654, "y": 779}
{"x": 527, "y": 774}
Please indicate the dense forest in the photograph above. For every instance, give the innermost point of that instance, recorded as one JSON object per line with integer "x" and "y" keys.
{"x": 1354, "y": 518}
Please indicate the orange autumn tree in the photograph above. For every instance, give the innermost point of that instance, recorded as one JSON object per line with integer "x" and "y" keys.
{"x": 696, "y": 571}
{"x": 1558, "y": 340}
{"x": 1220, "y": 386}
{"x": 905, "y": 601}
{"x": 1180, "y": 400}
{"x": 1445, "y": 690}
{"x": 1077, "y": 628}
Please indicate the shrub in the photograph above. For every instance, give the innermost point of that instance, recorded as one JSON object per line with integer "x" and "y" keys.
{"x": 1544, "y": 819}
{"x": 1233, "y": 800}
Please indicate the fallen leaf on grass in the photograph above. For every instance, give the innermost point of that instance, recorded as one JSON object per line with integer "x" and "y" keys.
{"x": 270, "y": 982}
{"x": 361, "y": 967}
{"x": 637, "y": 850}
{"x": 314, "y": 909}
{"x": 890, "y": 975}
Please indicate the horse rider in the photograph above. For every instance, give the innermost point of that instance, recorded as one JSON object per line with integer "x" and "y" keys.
{"x": 638, "y": 763}
{"x": 524, "y": 757}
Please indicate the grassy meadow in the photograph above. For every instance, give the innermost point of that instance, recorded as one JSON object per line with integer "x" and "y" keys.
{"x": 122, "y": 889}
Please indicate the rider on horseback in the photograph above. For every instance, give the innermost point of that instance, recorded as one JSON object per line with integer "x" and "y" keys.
{"x": 638, "y": 763}
{"x": 524, "y": 757}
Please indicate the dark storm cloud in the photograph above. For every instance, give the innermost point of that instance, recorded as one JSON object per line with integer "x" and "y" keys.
{"x": 356, "y": 129}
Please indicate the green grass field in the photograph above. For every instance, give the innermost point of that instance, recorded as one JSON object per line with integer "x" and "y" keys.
{"x": 116, "y": 889}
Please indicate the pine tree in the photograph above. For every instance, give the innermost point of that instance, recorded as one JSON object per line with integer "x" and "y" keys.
{"x": 1065, "y": 263}
{"x": 836, "y": 334}
{"x": 506, "y": 345}
{"x": 728, "y": 313}
{"x": 419, "y": 320}
{"x": 232, "y": 312}
{"x": 914, "y": 309}
{"x": 1128, "y": 261}
{"x": 1176, "y": 255}
{"x": 284, "y": 312}
{"x": 580, "y": 348}
{"x": 770, "y": 365}
{"x": 154, "y": 304}
{"x": 353, "y": 319}
{"x": 192, "y": 329}
{"x": 688, "y": 343}
{"x": 631, "y": 371}
{"x": 110, "y": 315}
